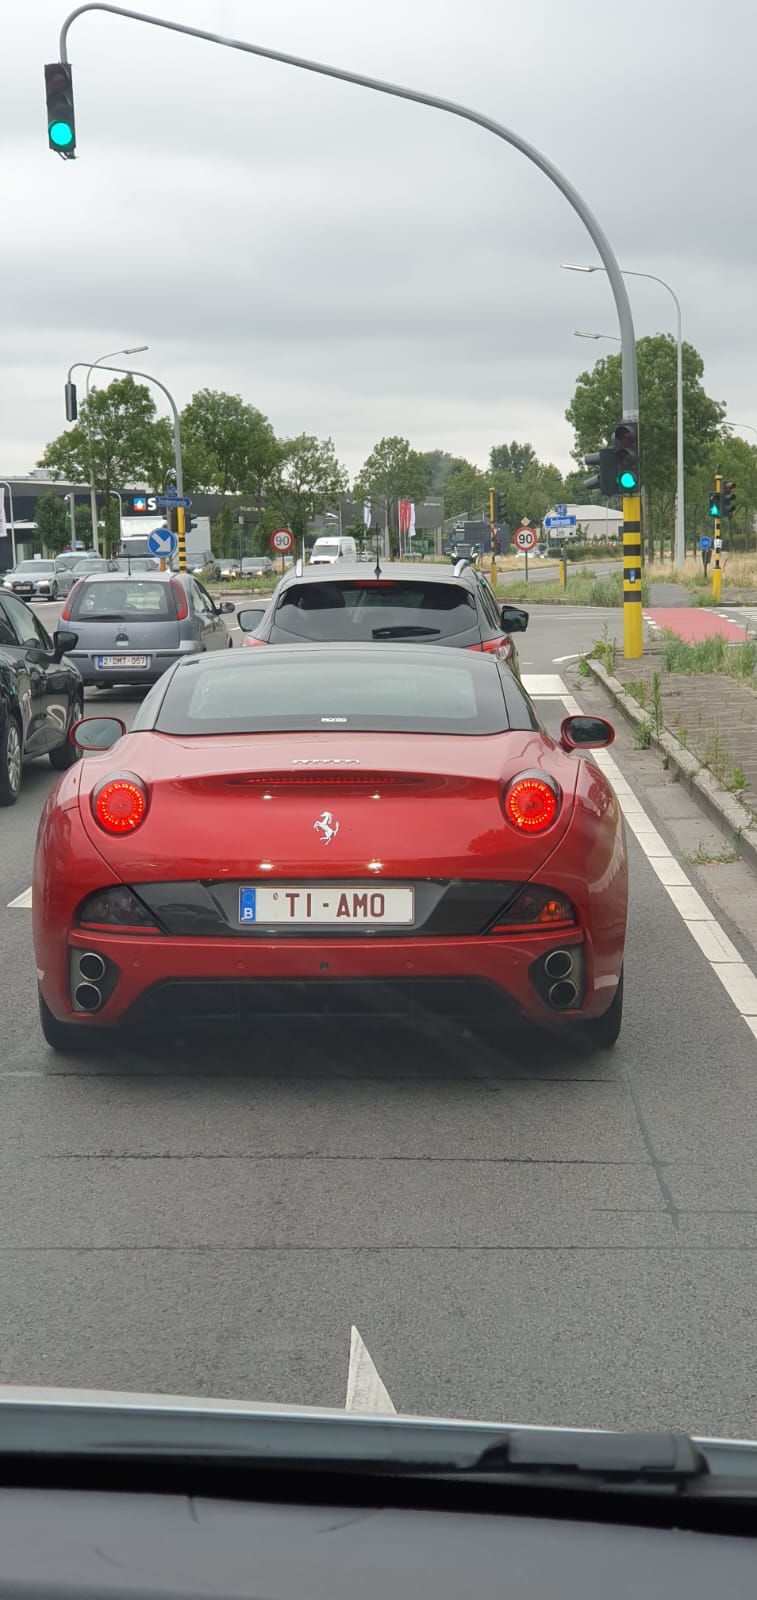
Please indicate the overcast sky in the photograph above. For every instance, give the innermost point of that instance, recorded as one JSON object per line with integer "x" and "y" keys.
{"x": 355, "y": 266}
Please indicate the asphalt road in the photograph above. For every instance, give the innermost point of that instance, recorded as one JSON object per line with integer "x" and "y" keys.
{"x": 516, "y": 1230}
{"x": 546, "y": 572}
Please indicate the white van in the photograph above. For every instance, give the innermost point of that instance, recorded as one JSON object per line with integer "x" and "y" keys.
{"x": 332, "y": 548}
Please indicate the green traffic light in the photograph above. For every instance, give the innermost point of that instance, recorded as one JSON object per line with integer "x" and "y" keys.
{"x": 715, "y": 509}
{"x": 628, "y": 481}
{"x": 61, "y": 134}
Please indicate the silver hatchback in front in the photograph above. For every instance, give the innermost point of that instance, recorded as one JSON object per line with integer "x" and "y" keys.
{"x": 131, "y": 628}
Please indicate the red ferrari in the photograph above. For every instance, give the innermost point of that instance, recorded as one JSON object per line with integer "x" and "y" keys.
{"x": 331, "y": 827}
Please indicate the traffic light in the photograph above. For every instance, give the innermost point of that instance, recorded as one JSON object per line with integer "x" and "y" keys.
{"x": 72, "y": 404}
{"x": 59, "y": 91}
{"x": 604, "y": 479}
{"x": 626, "y": 450}
{"x": 728, "y": 498}
{"x": 714, "y": 506}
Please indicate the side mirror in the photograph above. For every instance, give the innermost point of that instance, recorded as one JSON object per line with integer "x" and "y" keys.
{"x": 227, "y": 606}
{"x": 64, "y": 642}
{"x": 97, "y": 733}
{"x": 586, "y": 733}
{"x": 513, "y": 619}
{"x": 250, "y": 617}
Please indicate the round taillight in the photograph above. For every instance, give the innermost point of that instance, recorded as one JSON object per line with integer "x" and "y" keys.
{"x": 531, "y": 804}
{"x": 119, "y": 804}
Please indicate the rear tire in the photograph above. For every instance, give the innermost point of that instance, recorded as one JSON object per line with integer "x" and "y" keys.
{"x": 64, "y": 1037}
{"x": 601, "y": 1033}
{"x": 66, "y": 754}
{"x": 10, "y": 762}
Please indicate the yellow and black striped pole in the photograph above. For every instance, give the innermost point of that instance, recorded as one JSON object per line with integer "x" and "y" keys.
{"x": 718, "y": 543}
{"x": 632, "y": 620}
{"x": 181, "y": 533}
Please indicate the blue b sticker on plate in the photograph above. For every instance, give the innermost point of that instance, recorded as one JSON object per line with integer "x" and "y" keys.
{"x": 247, "y": 905}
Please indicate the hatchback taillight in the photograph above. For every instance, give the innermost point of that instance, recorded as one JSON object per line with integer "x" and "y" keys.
{"x": 180, "y": 599}
{"x": 65, "y": 615}
{"x": 120, "y": 803}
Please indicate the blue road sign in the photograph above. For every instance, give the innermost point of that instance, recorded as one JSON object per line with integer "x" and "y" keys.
{"x": 562, "y": 511}
{"x": 162, "y": 542}
{"x": 705, "y": 542}
{"x": 559, "y": 522}
{"x": 164, "y": 501}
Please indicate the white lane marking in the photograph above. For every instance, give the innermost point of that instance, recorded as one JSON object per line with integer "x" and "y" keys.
{"x": 557, "y": 661}
{"x": 22, "y": 902}
{"x": 365, "y": 1390}
{"x": 737, "y": 978}
{"x": 544, "y": 685}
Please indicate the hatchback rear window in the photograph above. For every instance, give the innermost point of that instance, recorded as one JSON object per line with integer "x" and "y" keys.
{"x": 376, "y": 609}
{"x": 123, "y": 598}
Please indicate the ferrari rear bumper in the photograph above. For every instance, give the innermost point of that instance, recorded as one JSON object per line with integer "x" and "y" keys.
{"x": 149, "y": 978}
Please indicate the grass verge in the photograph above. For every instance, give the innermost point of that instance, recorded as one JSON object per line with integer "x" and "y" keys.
{"x": 583, "y": 590}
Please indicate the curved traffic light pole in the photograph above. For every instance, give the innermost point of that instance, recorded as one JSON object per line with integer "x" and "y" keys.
{"x": 596, "y": 233}
{"x": 632, "y": 591}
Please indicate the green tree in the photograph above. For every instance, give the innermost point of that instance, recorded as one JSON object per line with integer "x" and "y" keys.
{"x": 307, "y": 481}
{"x": 228, "y": 443}
{"x": 466, "y": 490}
{"x": 83, "y": 520}
{"x": 112, "y": 436}
{"x": 596, "y": 409}
{"x": 393, "y": 471}
{"x": 541, "y": 486}
{"x": 513, "y": 458}
{"x": 51, "y": 517}
{"x": 439, "y": 464}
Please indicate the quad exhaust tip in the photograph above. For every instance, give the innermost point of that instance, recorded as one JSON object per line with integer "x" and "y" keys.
{"x": 563, "y": 994}
{"x": 558, "y": 964}
{"x": 92, "y": 966}
{"x": 88, "y": 997}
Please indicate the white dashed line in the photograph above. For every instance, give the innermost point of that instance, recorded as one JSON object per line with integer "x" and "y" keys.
{"x": 365, "y": 1390}
{"x": 22, "y": 902}
{"x": 738, "y": 980}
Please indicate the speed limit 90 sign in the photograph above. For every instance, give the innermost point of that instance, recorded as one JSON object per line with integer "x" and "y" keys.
{"x": 525, "y": 538}
{"x": 282, "y": 540}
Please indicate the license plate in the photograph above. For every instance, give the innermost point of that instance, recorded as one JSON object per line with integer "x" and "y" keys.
{"x": 344, "y": 905}
{"x": 123, "y": 661}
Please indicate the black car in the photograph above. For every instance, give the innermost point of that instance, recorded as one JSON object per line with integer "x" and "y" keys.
{"x": 435, "y": 605}
{"x": 41, "y": 695}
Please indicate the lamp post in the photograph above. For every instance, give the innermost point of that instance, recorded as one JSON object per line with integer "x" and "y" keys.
{"x": 134, "y": 373}
{"x": 612, "y": 336}
{"x": 131, "y": 350}
{"x": 5, "y": 485}
{"x": 679, "y": 549}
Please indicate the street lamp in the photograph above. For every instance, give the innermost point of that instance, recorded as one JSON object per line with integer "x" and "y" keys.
{"x": 4, "y": 485}
{"x": 132, "y": 350}
{"x": 746, "y": 425}
{"x": 612, "y": 336}
{"x": 334, "y": 516}
{"x": 135, "y": 373}
{"x": 679, "y": 555}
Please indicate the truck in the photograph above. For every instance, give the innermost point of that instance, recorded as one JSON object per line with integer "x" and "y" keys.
{"x": 135, "y": 532}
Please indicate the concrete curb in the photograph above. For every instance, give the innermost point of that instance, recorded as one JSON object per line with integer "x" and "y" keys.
{"x": 724, "y": 809}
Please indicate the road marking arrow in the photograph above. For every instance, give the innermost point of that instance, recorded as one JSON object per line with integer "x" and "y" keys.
{"x": 365, "y": 1390}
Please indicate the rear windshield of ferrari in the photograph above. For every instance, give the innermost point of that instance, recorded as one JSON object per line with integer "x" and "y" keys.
{"x": 364, "y": 609}
{"x": 275, "y": 693}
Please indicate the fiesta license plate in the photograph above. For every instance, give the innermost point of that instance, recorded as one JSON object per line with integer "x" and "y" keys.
{"x": 344, "y": 905}
{"x": 123, "y": 661}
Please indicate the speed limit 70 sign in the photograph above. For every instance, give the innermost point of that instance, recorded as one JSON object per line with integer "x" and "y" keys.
{"x": 282, "y": 540}
{"x": 525, "y": 538}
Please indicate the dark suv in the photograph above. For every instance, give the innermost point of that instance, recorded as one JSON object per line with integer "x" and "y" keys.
{"x": 435, "y": 605}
